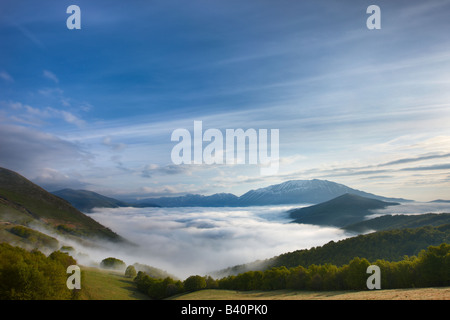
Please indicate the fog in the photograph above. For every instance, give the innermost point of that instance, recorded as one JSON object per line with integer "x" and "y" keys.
{"x": 411, "y": 208}
{"x": 190, "y": 241}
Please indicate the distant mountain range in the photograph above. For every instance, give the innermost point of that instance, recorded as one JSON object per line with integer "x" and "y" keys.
{"x": 440, "y": 201}
{"x": 192, "y": 200}
{"x": 289, "y": 192}
{"x": 85, "y": 200}
{"x": 339, "y": 212}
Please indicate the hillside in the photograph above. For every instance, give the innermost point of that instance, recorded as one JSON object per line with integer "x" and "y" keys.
{"x": 390, "y": 222}
{"x": 25, "y": 203}
{"x": 390, "y": 245}
{"x": 341, "y": 211}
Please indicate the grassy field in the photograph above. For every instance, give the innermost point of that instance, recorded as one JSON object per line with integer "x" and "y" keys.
{"x": 397, "y": 294}
{"x": 98, "y": 284}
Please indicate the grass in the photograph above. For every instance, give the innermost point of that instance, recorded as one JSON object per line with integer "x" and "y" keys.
{"x": 393, "y": 294}
{"x": 98, "y": 284}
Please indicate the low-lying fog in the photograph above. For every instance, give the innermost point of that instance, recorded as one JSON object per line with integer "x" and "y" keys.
{"x": 190, "y": 241}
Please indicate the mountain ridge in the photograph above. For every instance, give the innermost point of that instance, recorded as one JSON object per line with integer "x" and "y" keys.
{"x": 289, "y": 192}
{"x": 340, "y": 211}
{"x": 85, "y": 200}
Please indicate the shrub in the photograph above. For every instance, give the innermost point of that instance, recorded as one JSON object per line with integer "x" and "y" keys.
{"x": 130, "y": 272}
{"x": 113, "y": 263}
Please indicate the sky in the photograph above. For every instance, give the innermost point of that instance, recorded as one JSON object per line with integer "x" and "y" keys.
{"x": 94, "y": 108}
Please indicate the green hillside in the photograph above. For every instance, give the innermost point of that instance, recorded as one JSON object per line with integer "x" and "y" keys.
{"x": 339, "y": 212}
{"x": 390, "y": 222}
{"x": 23, "y": 202}
{"x": 101, "y": 284}
{"x": 390, "y": 245}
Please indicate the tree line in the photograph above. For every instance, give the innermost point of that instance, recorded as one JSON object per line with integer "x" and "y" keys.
{"x": 430, "y": 268}
{"x": 31, "y": 275}
{"x": 390, "y": 245}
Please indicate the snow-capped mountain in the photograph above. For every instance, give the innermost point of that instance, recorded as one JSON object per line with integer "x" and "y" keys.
{"x": 289, "y": 192}
{"x": 302, "y": 191}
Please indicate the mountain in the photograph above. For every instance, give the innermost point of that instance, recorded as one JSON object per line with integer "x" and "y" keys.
{"x": 340, "y": 211}
{"x": 25, "y": 203}
{"x": 289, "y": 192}
{"x": 440, "y": 201}
{"x": 390, "y": 222}
{"x": 303, "y": 191}
{"x": 85, "y": 200}
{"x": 194, "y": 200}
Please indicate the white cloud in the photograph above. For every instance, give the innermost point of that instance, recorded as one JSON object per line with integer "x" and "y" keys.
{"x": 187, "y": 241}
{"x": 51, "y": 76}
{"x": 107, "y": 141}
{"x": 24, "y": 113}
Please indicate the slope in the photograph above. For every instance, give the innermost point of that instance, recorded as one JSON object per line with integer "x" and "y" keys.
{"x": 391, "y": 245}
{"x": 339, "y": 212}
{"x": 390, "y": 222}
{"x": 23, "y": 202}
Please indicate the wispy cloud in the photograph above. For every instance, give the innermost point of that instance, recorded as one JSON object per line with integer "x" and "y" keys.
{"x": 6, "y": 76}
{"x": 27, "y": 114}
{"x": 116, "y": 146}
{"x": 51, "y": 76}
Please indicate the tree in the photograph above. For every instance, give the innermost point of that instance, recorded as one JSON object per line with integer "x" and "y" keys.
{"x": 113, "y": 263}
{"x": 130, "y": 272}
{"x": 194, "y": 283}
{"x": 31, "y": 275}
{"x": 355, "y": 275}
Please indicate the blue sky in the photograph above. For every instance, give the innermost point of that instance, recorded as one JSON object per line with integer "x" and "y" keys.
{"x": 95, "y": 108}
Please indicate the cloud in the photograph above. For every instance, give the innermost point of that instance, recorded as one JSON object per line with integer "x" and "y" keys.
{"x": 51, "y": 76}
{"x": 187, "y": 241}
{"x": 27, "y": 114}
{"x": 28, "y": 34}
{"x": 5, "y": 76}
{"x": 419, "y": 158}
{"x": 107, "y": 141}
{"x": 441, "y": 166}
{"x": 53, "y": 180}
{"x": 171, "y": 169}
{"x": 28, "y": 150}
{"x": 159, "y": 191}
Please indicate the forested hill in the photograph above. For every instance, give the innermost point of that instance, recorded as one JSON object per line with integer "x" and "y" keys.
{"x": 390, "y": 222}
{"x": 340, "y": 211}
{"x": 390, "y": 245}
